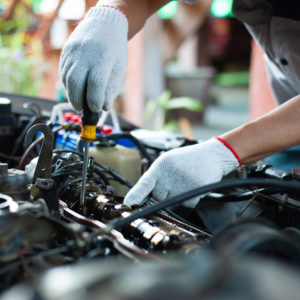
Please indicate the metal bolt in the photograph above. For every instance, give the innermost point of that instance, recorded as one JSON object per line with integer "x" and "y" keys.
{"x": 44, "y": 184}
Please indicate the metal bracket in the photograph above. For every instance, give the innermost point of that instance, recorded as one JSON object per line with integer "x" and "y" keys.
{"x": 43, "y": 168}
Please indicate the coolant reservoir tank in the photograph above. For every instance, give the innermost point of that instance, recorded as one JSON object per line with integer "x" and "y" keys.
{"x": 126, "y": 161}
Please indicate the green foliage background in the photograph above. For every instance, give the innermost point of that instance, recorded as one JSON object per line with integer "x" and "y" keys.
{"x": 20, "y": 54}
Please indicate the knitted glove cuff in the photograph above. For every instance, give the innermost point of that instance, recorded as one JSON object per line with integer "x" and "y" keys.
{"x": 230, "y": 148}
{"x": 111, "y": 14}
{"x": 99, "y": 5}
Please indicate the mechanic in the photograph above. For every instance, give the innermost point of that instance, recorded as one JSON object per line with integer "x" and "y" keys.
{"x": 94, "y": 59}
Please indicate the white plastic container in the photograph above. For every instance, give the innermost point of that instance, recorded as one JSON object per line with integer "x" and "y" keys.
{"x": 126, "y": 161}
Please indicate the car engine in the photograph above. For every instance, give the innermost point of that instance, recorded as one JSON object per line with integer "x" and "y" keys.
{"x": 244, "y": 230}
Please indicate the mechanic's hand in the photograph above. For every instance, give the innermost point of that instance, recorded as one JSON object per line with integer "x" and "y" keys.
{"x": 93, "y": 60}
{"x": 182, "y": 170}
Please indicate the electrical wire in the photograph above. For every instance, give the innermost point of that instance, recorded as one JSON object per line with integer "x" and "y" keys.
{"x": 69, "y": 170}
{"x": 289, "y": 186}
{"x": 69, "y": 182}
{"x": 31, "y": 148}
{"x": 65, "y": 173}
{"x": 124, "y": 135}
{"x": 21, "y": 137}
{"x": 102, "y": 176}
{"x": 118, "y": 177}
{"x": 59, "y": 151}
{"x": 171, "y": 213}
{"x": 101, "y": 173}
{"x": 237, "y": 197}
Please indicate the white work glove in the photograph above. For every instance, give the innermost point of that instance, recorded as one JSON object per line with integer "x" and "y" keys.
{"x": 93, "y": 60}
{"x": 184, "y": 169}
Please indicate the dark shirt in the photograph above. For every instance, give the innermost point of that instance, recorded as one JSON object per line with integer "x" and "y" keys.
{"x": 275, "y": 25}
{"x": 289, "y": 9}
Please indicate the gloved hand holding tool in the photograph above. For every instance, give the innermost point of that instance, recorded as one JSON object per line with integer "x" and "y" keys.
{"x": 94, "y": 59}
{"x": 183, "y": 169}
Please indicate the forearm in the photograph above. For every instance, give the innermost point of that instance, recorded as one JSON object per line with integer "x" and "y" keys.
{"x": 272, "y": 133}
{"x": 137, "y": 11}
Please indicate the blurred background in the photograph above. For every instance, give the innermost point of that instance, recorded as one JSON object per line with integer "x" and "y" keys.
{"x": 192, "y": 69}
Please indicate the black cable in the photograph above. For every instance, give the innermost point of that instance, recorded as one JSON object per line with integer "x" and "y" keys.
{"x": 108, "y": 170}
{"x": 118, "y": 177}
{"x": 115, "y": 174}
{"x": 257, "y": 182}
{"x": 65, "y": 174}
{"x": 124, "y": 135}
{"x": 237, "y": 197}
{"x": 102, "y": 176}
{"x": 69, "y": 167}
{"x": 21, "y": 137}
{"x": 69, "y": 182}
{"x": 171, "y": 213}
{"x": 66, "y": 170}
{"x": 58, "y": 151}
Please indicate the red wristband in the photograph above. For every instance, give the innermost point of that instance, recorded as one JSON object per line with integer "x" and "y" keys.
{"x": 120, "y": 10}
{"x": 230, "y": 148}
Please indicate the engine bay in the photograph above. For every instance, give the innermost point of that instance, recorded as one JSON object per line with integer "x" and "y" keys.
{"x": 54, "y": 247}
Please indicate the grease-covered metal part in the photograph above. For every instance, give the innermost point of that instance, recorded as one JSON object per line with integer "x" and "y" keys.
{"x": 157, "y": 233}
{"x": 31, "y": 241}
{"x": 260, "y": 169}
{"x": 124, "y": 246}
{"x": 42, "y": 173}
{"x": 49, "y": 192}
{"x": 107, "y": 209}
{"x": 149, "y": 235}
{"x": 13, "y": 182}
{"x": 152, "y": 234}
{"x": 71, "y": 195}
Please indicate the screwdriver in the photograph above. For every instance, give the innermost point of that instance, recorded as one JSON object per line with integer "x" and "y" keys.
{"x": 88, "y": 134}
